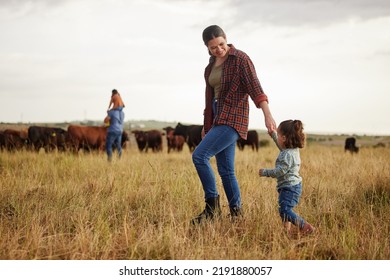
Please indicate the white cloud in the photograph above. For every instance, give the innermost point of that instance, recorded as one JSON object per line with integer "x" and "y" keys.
{"x": 307, "y": 54}
{"x": 304, "y": 12}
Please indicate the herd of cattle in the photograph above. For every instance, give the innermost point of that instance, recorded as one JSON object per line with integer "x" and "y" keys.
{"x": 75, "y": 138}
{"x": 89, "y": 138}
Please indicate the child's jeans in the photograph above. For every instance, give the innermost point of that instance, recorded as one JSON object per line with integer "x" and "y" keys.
{"x": 288, "y": 199}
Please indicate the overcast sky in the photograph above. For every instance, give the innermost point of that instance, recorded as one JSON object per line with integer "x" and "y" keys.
{"x": 324, "y": 62}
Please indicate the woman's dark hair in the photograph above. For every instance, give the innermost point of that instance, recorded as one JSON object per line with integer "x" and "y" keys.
{"x": 212, "y": 32}
{"x": 114, "y": 91}
{"x": 293, "y": 131}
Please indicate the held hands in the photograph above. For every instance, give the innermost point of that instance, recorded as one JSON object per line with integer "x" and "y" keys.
{"x": 269, "y": 120}
{"x": 272, "y": 133}
{"x": 271, "y": 125}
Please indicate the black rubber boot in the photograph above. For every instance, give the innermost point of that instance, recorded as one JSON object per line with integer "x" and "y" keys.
{"x": 236, "y": 213}
{"x": 211, "y": 211}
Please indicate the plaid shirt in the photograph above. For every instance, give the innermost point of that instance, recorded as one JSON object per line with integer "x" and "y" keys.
{"x": 238, "y": 81}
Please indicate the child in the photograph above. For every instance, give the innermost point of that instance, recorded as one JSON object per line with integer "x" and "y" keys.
{"x": 289, "y": 138}
{"x": 116, "y": 101}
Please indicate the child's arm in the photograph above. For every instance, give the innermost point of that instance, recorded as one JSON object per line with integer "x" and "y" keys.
{"x": 283, "y": 165}
{"x": 273, "y": 173}
{"x": 275, "y": 138}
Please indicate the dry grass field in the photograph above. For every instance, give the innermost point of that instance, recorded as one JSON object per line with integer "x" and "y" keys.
{"x": 65, "y": 206}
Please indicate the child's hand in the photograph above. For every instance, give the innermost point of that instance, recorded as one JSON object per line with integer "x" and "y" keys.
{"x": 261, "y": 172}
{"x": 272, "y": 132}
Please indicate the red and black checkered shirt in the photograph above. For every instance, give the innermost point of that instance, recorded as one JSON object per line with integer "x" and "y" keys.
{"x": 238, "y": 81}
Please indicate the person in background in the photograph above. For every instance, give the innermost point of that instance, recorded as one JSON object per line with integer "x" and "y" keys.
{"x": 115, "y": 121}
{"x": 230, "y": 78}
{"x": 289, "y": 139}
{"x": 116, "y": 101}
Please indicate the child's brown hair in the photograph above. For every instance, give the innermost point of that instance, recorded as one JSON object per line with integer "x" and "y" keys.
{"x": 114, "y": 91}
{"x": 293, "y": 131}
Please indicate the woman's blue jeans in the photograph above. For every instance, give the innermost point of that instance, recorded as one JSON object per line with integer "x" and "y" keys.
{"x": 288, "y": 199}
{"x": 220, "y": 142}
{"x": 113, "y": 138}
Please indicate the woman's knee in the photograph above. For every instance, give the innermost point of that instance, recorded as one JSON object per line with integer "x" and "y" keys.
{"x": 198, "y": 157}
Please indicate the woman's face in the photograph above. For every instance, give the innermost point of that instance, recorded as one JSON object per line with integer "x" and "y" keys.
{"x": 218, "y": 47}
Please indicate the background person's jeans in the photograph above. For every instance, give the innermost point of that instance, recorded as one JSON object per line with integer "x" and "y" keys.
{"x": 113, "y": 138}
{"x": 220, "y": 142}
{"x": 288, "y": 199}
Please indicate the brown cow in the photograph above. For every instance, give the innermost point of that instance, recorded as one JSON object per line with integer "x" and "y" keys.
{"x": 87, "y": 137}
{"x": 148, "y": 139}
{"x": 90, "y": 137}
{"x": 15, "y": 139}
{"x": 174, "y": 142}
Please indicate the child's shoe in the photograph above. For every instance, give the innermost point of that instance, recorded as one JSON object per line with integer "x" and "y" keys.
{"x": 307, "y": 229}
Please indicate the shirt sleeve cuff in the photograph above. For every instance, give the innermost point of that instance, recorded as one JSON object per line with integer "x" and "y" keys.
{"x": 260, "y": 98}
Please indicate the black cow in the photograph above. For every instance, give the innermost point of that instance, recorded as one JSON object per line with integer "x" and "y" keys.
{"x": 191, "y": 133}
{"x": 48, "y": 138}
{"x": 125, "y": 139}
{"x": 140, "y": 138}
{"x": 251, "y": 140}
{"x": 2, "y": 140}
{"x": 148, "y": 139}
{"x": 350, "y": 145}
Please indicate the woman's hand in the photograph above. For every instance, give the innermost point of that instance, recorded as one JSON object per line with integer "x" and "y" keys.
{"x": 270, "y": 124}
{"x": 269, "y": 120}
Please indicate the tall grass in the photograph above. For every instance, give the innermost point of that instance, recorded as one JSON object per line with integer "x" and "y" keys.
{"x": 65, "y": 206}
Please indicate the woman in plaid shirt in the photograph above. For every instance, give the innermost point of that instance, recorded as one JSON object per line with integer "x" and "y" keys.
{"x": 230, "y": 79}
